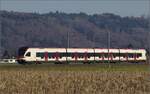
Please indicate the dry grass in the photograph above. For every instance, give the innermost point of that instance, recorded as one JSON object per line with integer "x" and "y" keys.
{"x": 71, "y": 82}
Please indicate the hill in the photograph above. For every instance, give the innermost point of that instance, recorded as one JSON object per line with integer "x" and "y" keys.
{"x": 51, "y": 30}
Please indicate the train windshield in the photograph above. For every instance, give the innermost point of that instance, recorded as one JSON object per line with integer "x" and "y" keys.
{"x": 28, "y": 54}
{"x": 22, "y": 51}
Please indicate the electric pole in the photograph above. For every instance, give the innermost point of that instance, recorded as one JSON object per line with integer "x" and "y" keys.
{"x": 68, "y": 39}
{"x": 68, "y": 43}
{"x": 94, "y": 45}
{"x": 0, "y": 36}
{"x": 149, "y": 33}
{"x": 108, "y": 43}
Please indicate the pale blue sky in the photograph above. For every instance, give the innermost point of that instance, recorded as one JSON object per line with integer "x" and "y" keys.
{"x": 119, "y": 7}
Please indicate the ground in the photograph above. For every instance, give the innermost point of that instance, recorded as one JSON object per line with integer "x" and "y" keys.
{"x": 75, "y": 79}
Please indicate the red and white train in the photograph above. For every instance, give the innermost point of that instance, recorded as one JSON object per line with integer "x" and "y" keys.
{"x": 84, "y": 55}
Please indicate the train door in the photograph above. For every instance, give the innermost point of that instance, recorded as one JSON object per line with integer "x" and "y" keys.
{"x": 46, "y": 56}
{"x": 111, "y": 56}
{"x": 135, "y": 57}
{"x": 127, "y": 59}
{"x": 103, "y": 57}
{"x": 85, "y": 57}
{"x": 76, "y": 57}
{"x": 57, "y": 56}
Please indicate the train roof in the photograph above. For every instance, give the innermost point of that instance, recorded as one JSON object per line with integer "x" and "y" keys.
{"x": 82, "y": 48}
{"x": 88, "y": 48}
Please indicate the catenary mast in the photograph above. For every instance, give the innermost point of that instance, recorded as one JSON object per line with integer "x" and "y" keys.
{"x": 0, "y": 35}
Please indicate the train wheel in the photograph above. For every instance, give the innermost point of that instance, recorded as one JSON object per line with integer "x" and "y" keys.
{"x": 37, "y": 62}
{"x": 89, "y": 63}
{"x": 58, "y": 63}
{"x": 84, "y": 62}
{"x": 21, "y": 62}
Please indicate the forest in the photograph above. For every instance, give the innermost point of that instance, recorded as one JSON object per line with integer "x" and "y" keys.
{"x": 53, "y": 29}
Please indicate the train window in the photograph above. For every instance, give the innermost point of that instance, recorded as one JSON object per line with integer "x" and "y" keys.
{"x": 92, "y": 54}
{"x": 100, "y": 55}
{"x": 96, "y": 54}
{"x": 28, "y": 54}
{"x": 111, "y": 55}
{"x": 81, "y": 55}
{"x": 74, "y": 55}
{"x": 116, "y": 54}
{"x": 130, "y": 55}
{"x": 50, "y": 55}
{"x": 60, "y": 55}
{"x": 106, "y": 55}
{"x": 53, "y": 55}
{"x": 64, "y": 54}
{"x": 123, "y": 55}
{"x": 56, "y": 55}
{"x": 139, "y": 55}
{"x": 88, "y": 55}
{"x": 40, "y": 55}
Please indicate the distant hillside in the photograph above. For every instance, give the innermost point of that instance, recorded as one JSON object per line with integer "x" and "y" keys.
{"x": 50, "y": 30}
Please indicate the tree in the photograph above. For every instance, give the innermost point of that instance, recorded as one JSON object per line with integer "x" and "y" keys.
{"x": 130, "y": 46}
{"x": 5, "y": 55}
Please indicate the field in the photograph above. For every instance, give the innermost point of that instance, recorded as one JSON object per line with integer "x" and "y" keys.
{"x": 75, "y": 79}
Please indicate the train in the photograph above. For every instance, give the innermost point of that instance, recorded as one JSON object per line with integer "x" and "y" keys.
{"x": 27, "y": 55}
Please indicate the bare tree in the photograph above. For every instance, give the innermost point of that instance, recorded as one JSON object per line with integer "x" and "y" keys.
{"x": 6, "y": 55}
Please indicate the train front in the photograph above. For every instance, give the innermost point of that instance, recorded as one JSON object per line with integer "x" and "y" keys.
{"x": 20, "y": 57}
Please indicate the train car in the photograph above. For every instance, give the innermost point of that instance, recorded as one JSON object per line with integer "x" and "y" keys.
{"x": 76, "y": 55}
{"x": 121, "y": 55}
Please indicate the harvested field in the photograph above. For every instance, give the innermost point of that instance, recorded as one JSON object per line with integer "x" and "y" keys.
{"x": 36, "y": 80}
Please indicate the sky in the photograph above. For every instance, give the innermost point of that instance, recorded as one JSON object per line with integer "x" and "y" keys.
{"x": 118, "y": 7}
